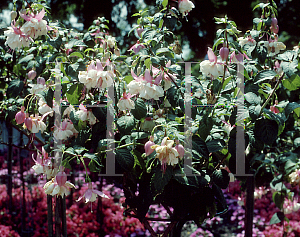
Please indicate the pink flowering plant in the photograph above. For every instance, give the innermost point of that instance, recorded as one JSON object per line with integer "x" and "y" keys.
{"x": 131, "y": 108}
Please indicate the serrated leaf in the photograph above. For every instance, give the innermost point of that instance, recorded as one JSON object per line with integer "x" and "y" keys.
{"x": 125, "y": 159}
{"x": 221, "y": 178}
{"x": 159, "y": 180}
{"x": 252, "y": 98}
{"x": 215, "y": 145}
{"x": 140, "y": 109}
{"x": 14, "y": 88}
{"x": 293, "y": 83}
{"x": 266, "y": 130}
{"x": 74, "y": 93}
{"x": 125, "y": 124}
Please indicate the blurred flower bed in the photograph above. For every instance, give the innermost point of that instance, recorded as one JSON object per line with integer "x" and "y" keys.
{"x": 82, "y": 218}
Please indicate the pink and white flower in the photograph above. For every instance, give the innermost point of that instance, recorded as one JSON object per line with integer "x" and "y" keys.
{"x": 35, "y": 26}
{"x": 211, "y": 67}
{"x": 148, "y": 146}
{"x": 86, "y": 115}
{"x": 16, "y": 38}
{"x": 248, "y": 40}
{"x": 91, "y": 194}
{"x": 20, "y": 116}
{"x": 185, "y": 6}
{"x": 59, "y": 185}
{"x": 137, "y": 47}
{"x": 125, "y": 103}
{"x": 64, "y": 130}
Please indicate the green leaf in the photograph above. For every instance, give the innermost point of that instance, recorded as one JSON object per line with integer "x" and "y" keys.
{"x": 74, "y": 93}
{"x": 48, "y": 96}
{"x": 159, "y": 179}
{"x": 288, "y": 56}
{"x": 277, "y": 218}
{"x": 219, "y": 196}
{"x": 215, "y": 145}
{"x": 76, "y": 54}
{"x": 278, "y": 199}
{"x": 266, "y": 130}
{"x": 200, "y": 147}
{"x": 264, "y": 75}
{"x": 125, "y": 159}
{"x": 66, "y": 164}
{"x": 140, "y": 109}
{"x": 221, "y": 178}
{"x": 166, "y": 51}
{"x": 252, "y": 98}
{"x": 148, "y": 63}
{"x": 140, "y": 135}
{"x": 26, "y": 59}
{"x": 125, "y": 124}
{"x": 164, "y": 3}
{"x": 11, "y": 112}
{"x": 290, "y": 108}
{"x": 14, "y": 88}
{"x": 293, "y": 83}
{"x": 74, "y": 42}
{"x": 289, "y": 67}
{"x": 55, "y": 43}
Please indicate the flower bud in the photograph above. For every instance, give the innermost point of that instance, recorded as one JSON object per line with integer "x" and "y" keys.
{"x": 274, "y": 22}
{"x": 28, "y": 122}
{"x": 41, "y": 80}
{"x": 20, "y": 116}
{"x": 61, "y": 178}
{"x": 139, "y": 31}
{"x": 117, "y": 51}
{"x": 31, "y": 74}
{"x": 148, "y": 149}
{"x": 180, "y": 149}
{"x": 13, "y": 15}
{"x": 224, "y": 52}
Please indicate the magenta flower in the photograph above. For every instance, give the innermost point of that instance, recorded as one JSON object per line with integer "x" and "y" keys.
{"x": 90, "y": 194}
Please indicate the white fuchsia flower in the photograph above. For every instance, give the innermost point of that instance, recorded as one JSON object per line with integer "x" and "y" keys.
{"x": 35, "y": 26}
{"x": 34, "y": 123}
{"x": 211, "y": 67}
{"x": 16, "y": 38}
{"x": 111, "y": 41}
{"x": 185, "y": 6}
{"x": 274, "y": 46}
{"x": 95, "y": 76}
{"x": 290, "y": 206}
{"x": 166, "y": 153}
{"x": 44, "y": 107}
{"x": 59, "y": 185}
{"x": 125, "y": 103}
{"x": 248, "y": 40}
{"x": 91, "y": 194}
{"x": 86, "y": 115}
{"x": 146, "y": 86}
{"x": 64, "y": 130}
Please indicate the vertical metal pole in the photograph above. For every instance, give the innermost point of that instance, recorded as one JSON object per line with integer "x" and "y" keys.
{"x": 49, "y": 216}
{"x": 64, "y": 217}
{"x": 249, "y": 206}
{"x": 9, "y": 166}
{"x": 58, "y": 229}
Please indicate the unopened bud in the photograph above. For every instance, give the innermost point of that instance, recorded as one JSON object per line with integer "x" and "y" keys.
{"x": 13, "y": 15}
{"x": 117, "y": 51}
{"x": 139, "y": 31}
{"x": 41, "y": 80}
{"x": 224, "y": 52}
{"x": 31, "y": 74}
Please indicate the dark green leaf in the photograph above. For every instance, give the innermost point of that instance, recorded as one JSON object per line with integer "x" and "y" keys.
{"x": 215, "y": 145}
{"x": 159, "y": 179}
{"x": 14, "y": 88}
{"x": 264, "y": 75}
{"x": 74, "y": 93}
{"x": 140, "y": 109}
{"x": 200, "y": 147}
{"x": 252, "y": 98}
{"x": 74, "y": 42}
{"x": 289, "y": 68}
{"x": 221, "y": 178}
{"x": 26, "y": 59}
{"x": 289, "y": 55}
{"x": 56, "y": 43}
{"x": 290, "y": 108}
{"x": 125, "y": 124}
{"x": 125, "y": 159}
{"x": 266, "y": 130}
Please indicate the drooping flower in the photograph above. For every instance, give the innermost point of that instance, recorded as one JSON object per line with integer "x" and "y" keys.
{"x": 248, "y": 40}
{"x": 185, "y": 6}
{"x": 111, "y": 41}
{"x": 86, "y": 115}
{"x": 44, "y": 107}
{"x": 91, "y": 194}
{"x": 95, "y": 76}
{"x": 137, "y": 47}
{"x": 59, "y": 185}
{"x": 139, "y": 31}
{"x": 290, "y": 206}
{"x": 31, "y": 74}
{"x": 274, "y": 109}
{"x": 148, "y": 146}
{"x": 180, "y": 149}
{"x": 148, "y": 124}
{"x": 274, "y": 46}
{"x": 211, "y": 67}
{"x": 166, "y": 153}
{"x": 166, "y": 78}
{"x": 20, "y": 116}
{"x": 35, "y": 26}
{"x": 125, "y": 103}
{"x": 224, "y": 52}
{"x": 64, "y": 130}
{"x": 16, "y": 38}
{"x": 274, "y": 26}
{"x": 35, "y": 123}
